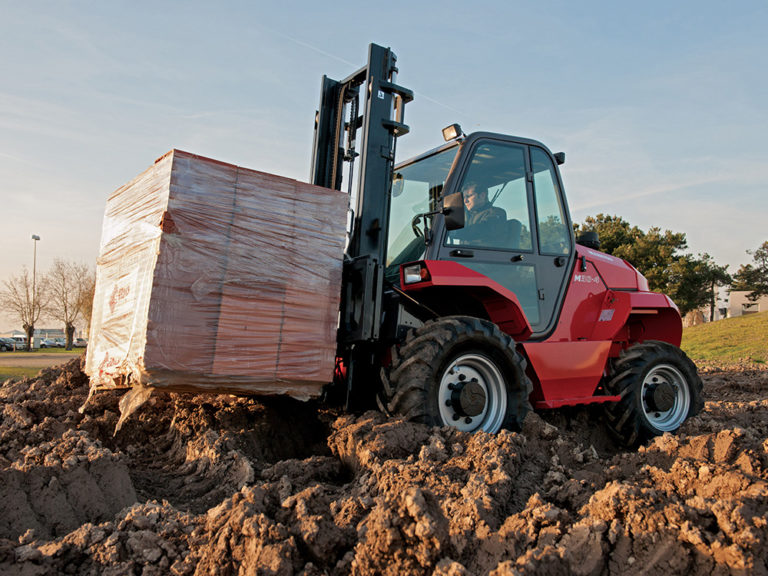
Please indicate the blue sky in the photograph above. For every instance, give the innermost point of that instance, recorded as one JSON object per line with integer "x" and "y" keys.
{"x": 660, "y": 107}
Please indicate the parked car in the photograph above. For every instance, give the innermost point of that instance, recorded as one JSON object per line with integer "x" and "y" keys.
{"x": 7, "y": 344}
{"x": 48, "y": 343}
{"x": 80, "y": 343}
{"x": 61, "y": 342}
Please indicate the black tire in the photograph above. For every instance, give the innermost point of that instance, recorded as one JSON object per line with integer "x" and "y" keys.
{"x": 458, "y": 371}
{"x": 660, "y": 389}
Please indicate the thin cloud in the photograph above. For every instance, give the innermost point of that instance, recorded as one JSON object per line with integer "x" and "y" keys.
{"x": 443, "y": 105}
{"x": 613, "y": 198}
{"x": 353, "y": 65}
{"x": 12, "y": 157}
{"x": 314, "y": 48}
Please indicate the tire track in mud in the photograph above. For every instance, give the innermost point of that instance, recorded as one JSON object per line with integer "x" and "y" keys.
{"x": 210, "y": 448}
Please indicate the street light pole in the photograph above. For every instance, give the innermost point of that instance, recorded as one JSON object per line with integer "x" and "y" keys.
{"x": 35, "y": 239}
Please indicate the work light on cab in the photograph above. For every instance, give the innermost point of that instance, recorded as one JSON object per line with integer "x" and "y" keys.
{"x": 452, "y": 132}
{"x": 414, "y": 273}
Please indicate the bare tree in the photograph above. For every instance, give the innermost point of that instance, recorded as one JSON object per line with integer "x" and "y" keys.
{"x": 86, "y": 300}
{"x": 66, "y": 285}
{"x": 24, "y": 298}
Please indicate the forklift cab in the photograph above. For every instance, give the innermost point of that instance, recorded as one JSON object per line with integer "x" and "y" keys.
{"x": 520, "y": 236}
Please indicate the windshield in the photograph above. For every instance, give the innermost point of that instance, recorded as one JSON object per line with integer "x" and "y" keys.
{"x": 415, "y": 189}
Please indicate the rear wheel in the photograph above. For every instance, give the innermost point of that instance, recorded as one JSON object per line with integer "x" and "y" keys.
{"x": 458, "y": 371}
{"x": 659, "y": 387}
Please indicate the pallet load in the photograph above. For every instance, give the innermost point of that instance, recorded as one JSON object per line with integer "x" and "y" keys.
{"x": 216, "y": 278}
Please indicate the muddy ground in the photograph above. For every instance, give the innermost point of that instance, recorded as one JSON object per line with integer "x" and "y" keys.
{"x": 220, "y": 485}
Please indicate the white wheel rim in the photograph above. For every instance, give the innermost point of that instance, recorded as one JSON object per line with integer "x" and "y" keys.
{"x": 672, "y": 418}
{"x": 484, "y": 371}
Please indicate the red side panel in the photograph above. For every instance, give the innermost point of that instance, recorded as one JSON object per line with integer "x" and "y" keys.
{"x": 606, "y": 307}
{"x": 568, "y": 372}
{"x": 584, "y": 303}
{"x": 614, "y": 312}
{"x": 604, "y": 295}
{"x": 502, "y": 305}
{"x": 658, "y": 317}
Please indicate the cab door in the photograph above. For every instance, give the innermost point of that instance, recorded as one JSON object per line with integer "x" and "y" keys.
{"x": 518, "y": 233}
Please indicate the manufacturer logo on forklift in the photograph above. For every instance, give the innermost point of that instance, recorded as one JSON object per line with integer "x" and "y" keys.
{"x": 586, "y": 279}
{"x": 606, "y": 315}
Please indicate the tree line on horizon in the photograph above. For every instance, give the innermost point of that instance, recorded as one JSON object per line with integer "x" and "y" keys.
{"x": 64, "y": 293}
{"x": 691, "y": 281}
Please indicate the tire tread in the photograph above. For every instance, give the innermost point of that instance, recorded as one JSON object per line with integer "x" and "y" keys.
{"x": 623, "y": 418}
{"x": 406, "y": 385}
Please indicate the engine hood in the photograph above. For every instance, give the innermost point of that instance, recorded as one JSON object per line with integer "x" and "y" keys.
{"x": 617, "y": 274}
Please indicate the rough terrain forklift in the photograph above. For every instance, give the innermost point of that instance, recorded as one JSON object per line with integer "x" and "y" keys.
{"x": 448, "y": 319}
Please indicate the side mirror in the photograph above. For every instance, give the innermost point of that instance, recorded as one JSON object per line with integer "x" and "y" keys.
{"x": 589, "y": 239}
{"x": 397, "y": 185}
{"x": 453, "y": 211}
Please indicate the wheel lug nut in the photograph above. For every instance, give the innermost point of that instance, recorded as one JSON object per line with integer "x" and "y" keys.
{"x": 456, "y": 417}
{"x": 462, "y": 377}
{"x": 448, "y": 403}
{"x": 468, "y": 420}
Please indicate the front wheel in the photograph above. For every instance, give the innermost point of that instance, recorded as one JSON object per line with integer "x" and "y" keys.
{"x": 458, "y": 371}
{"x": 660, "y": 389}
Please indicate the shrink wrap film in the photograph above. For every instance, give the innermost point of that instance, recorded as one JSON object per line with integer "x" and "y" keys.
{"x": 216, "y": 278}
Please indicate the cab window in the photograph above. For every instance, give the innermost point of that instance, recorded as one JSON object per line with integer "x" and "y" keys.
{"x": 554, "y": 236}
{"x": 497, "y": 213}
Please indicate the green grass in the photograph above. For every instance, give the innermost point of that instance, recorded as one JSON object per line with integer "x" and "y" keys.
{"x": 12, "y": 363}
{"x": 60, "y": 350}
{"x": 44, "y": 351}
{"x": 739, "y": 340}
{"x": 17, "y": 372}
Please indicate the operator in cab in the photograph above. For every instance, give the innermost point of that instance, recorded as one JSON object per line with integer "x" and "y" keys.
{"x": 484, "y": 222}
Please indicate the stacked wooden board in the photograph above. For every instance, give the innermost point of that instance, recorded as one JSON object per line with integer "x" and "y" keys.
{"x": 213, "y": 277}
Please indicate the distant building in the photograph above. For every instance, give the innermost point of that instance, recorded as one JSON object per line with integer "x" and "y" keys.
{"x": 729, "y": 305}
{"x": 703, "y": 314}
{"x": 739, "y": 305}
{"x": 49, "y": 333}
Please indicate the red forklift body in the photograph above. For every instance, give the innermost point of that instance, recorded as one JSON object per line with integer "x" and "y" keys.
{"x": 607, "y": 307}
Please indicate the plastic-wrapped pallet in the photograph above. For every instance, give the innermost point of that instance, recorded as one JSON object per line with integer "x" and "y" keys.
{"x": 217, "y": 278}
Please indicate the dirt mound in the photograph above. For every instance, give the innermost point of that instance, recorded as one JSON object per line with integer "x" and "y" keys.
{"x": 217, "y": 484}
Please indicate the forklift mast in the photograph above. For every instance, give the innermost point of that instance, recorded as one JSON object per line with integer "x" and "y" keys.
{"x": 380, "y": 123}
